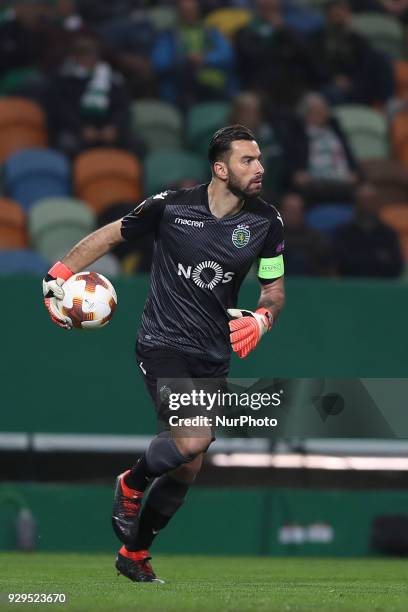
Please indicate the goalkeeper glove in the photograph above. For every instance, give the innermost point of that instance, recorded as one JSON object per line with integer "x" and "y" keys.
{"x": 53, "y": 292}
{"x": 247, "y": 328}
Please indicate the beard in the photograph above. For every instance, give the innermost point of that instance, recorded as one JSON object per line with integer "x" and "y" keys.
{"x": 239, "y": 190}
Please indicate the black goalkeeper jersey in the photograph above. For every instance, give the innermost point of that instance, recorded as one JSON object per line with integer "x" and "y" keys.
{"x": 199, "y": 264}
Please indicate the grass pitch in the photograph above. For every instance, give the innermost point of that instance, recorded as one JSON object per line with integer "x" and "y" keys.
{"x": 217, "y": 584}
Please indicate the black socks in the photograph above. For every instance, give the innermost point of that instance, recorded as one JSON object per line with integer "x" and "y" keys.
{"x": 139, "y": 476}
{"x": 166, "y": 494}
{"x": 165, "y": 497}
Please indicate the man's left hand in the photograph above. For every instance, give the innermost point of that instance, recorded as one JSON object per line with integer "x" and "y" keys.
{"x": 247, "y": 328}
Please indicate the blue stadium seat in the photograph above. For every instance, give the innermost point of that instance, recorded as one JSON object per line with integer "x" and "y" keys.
{"x": 327, "y": 217}
{"x": 33, "y": 174}
{"x": 22, "y": 261}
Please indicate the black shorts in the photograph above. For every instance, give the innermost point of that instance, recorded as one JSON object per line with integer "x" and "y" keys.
{"x": 166, "y": 373}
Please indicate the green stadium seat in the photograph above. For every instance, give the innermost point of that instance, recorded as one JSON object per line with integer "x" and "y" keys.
{"x": 366, "y": 129}
{"x": 202, "y": 121}
{"x": 166, "y": 168}
{"x": 158, "y": 124}
{"x": 56, "y": 224}
{"x": 384, "y": 32}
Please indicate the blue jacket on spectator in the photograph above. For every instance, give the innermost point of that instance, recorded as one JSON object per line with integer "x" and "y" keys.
{"x": 184, "y": 80}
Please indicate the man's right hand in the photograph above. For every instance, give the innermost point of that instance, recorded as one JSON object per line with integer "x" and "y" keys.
{"x": 53, "y": 291}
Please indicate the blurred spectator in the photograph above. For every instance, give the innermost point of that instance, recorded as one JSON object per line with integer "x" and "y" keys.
{"x": 194, "y": 63}
{"x": 247, "y": 110}
{"x": 65, "y": 24}
{"x": 323, "y": 165}
{"x": 366, "y": 6}
{"x": 87, "y": 103}
{"x": 398, "y": 8}
{"x": 35, "y": 36}
{"x": 273, "y": 58}
{"x": 212, "y": 5}
{"x": 302, "y": 17}
{"x": 22, "y": 37}
{"x": 366, "y": 246}
{"x": 65, "y": 14}
{"x": 307, "y": 251}
{"x": 128, "y": 42}
{"x": 95, "y": 12}
{"x": 350, "y": 69}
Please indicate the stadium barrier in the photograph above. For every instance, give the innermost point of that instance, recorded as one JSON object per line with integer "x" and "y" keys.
{"x": 222, "y": 521}
{"x": 328, "y": 329}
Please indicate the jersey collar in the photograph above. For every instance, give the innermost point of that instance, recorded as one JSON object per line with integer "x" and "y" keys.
{"x": 204, "y": 201}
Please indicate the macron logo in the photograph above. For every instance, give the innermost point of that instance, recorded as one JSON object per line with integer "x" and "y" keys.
{"x": 189, "y": 222}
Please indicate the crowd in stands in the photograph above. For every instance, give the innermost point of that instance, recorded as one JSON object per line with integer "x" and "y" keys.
{"x": 103, "y": 103}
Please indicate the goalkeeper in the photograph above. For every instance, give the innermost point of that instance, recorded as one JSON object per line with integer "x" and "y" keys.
{"x": 206, "y": 240}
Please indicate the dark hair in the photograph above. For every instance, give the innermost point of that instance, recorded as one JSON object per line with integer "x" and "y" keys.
{"x": 221, "y": 141}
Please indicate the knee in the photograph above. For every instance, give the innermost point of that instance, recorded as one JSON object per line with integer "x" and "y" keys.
{"x": 188, "y": 471}
{"x": 191, "y": 447}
